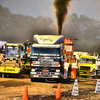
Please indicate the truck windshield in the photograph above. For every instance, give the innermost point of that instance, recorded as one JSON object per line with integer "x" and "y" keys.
{"x": 46, "y": 51}
{"x": 87, "y": 60}
{"x": 11, "y": 51}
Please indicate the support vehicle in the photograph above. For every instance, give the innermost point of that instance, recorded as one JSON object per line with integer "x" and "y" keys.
{"x": 87, "y": 66}
{"x": 11, "y": 64}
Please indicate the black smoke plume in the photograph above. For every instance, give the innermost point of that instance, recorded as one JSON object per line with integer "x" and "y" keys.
{"x": 61, "y": 7}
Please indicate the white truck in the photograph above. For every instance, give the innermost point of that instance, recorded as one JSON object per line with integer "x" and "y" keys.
{"x": 47, "y": 59}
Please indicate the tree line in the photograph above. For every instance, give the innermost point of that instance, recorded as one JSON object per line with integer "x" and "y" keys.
{"x": 18, "y": 28}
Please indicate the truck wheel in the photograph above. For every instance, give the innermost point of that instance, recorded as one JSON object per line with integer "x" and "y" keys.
{"x": 94, "y": 77}
{"x": 77, "y": 75}
{"x": 0, "y": 75}
{"x": 20, "y": 76}
{"x": 66, "y": 81}
{"x": 32, "y": 79}
{"x": 59, "y": 80}
{"x": 3, "y": 75}
{"x": 78, "y": 78}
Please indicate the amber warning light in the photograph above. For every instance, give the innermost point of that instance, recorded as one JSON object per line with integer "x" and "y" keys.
{"x": 28, "y": 50}
{"x": 68, "y": 41}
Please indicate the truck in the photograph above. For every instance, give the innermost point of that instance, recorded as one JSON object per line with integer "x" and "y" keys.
{"x": 47, "y": 58}
{"x": 12, "y": 63}
{"x": 87, "y": 65}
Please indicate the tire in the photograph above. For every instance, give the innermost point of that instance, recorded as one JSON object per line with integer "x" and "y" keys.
{"x": 67, "y": 80}
{"x": 19, "y": 75}
{"x": 32, "y": 80}
{"x": 4, "y": 75}
{"x": 59, "y": 80}
{"x": 94, "y": 77}
{"x": 0, "y": 75}
{"x": 78, "y": 78}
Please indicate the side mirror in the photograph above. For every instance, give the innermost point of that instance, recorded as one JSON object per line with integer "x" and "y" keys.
{"x": 64, "y": 51}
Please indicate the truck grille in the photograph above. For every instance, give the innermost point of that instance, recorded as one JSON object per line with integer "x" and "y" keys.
{"x": 84, "y": 68}
{"x": 46, "y": 64}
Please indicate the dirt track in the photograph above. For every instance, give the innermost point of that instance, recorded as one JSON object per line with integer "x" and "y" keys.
{"x": 11, "y": 88}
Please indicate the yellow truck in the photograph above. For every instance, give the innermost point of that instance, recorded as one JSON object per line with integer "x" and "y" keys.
{"x": 11, "y": 64}
{"x": 87, "y": 65}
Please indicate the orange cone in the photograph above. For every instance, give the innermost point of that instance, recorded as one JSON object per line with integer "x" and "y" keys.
{"x": 25, "y": 94}
{"x": 58, "y": 92}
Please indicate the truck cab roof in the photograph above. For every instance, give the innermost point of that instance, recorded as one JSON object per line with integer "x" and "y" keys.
{"x": 13, "y": 44}
{"x": 48, "y": 39}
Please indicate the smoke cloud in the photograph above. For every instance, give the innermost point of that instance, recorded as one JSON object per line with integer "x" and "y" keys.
{"x": 61, "y": 12}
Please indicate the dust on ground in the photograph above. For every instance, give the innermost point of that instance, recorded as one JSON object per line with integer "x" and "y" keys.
{"x": 11, "y": 88}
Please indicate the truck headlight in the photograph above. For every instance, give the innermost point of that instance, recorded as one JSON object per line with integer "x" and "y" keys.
{"x": 57, "y": 70}
{"x": 33, "y": 70}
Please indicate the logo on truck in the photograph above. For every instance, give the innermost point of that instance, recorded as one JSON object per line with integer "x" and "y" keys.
{"x": 46, "y": 39}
